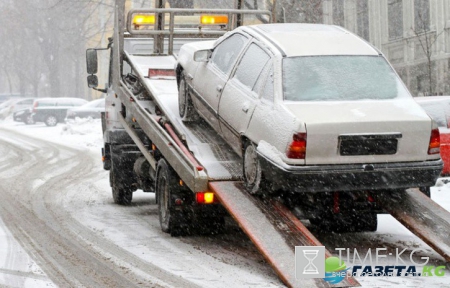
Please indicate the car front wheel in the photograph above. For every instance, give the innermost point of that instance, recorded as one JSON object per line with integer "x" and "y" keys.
{"x": 185, "y": 106}
{"x": 51, "y": 121}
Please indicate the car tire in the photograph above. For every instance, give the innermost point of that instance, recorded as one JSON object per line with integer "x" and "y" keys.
{"x": 28, "y": 120}
{"x": 121, "y": 195}
{"x": 51, "y": 120}
{"x": 253, "y": 176}
{"x": 186, "y": 108}
{"x": 171, "y": 220}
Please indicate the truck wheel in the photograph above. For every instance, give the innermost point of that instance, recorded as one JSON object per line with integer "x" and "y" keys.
{"x": 51, "y": 120}
{"x": 185, "y": 107}
{"x": 252, "y": 169}
{"x": 167, "y": 186}
{"x": 121, "y": 195}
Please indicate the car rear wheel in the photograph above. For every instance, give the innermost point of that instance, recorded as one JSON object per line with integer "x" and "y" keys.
{"x": 185, "y": 106}
{"x": 51, "y": 121}
{"x": 253, "y": 177}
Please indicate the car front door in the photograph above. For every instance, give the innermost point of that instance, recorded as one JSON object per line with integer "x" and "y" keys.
{"x": 211, "y": 76}
{"x": 240, "y": 95}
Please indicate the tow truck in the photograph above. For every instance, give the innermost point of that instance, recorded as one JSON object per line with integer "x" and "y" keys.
{"x": 196, "y": 177}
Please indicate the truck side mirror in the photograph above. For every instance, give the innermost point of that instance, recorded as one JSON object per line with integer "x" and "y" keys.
{"x": 202, "y": 55}
{"x": 91, "y": 61}
{"x": 92, "y": 81}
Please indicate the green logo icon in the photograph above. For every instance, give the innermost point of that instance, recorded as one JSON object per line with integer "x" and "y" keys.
{"x": 335, "y": 270}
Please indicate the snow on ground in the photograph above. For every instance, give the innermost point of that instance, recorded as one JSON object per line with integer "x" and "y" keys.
{"x": 86, "y": 134}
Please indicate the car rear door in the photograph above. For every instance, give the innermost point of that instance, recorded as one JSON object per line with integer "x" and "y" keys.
{"x": 240, "y": 95}
{"x": 211, "y": 76}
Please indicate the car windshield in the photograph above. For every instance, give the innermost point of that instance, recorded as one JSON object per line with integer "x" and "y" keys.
{"x": 337, "y": 78}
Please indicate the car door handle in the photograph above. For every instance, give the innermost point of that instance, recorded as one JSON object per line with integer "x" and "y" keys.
{"x": 245, "y": 108}
{"x": 219, "y": 88}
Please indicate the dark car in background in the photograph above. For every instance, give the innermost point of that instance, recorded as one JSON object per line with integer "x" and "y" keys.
{"x": 91, "y": 109}
{"x": 23, "y": 115}
{"x": 52, "y": 111}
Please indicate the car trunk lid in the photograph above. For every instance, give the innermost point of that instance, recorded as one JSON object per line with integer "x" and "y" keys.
{"x": 366, "y": 131}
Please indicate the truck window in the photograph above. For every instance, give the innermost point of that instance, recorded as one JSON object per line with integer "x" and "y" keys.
{"x": 226, "y": 53}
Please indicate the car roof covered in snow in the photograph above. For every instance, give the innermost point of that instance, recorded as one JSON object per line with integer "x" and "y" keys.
{"x": 298, "y": 39}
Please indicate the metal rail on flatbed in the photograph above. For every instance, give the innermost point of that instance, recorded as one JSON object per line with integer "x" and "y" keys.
{"x": 274, "y": 230}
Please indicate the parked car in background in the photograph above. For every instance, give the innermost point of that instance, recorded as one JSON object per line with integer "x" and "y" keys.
{"x": 12, "y": 105}
{"x": 91, "y": 109}
{"x": 438, "y": 108}
{"x": 52, "y": 111}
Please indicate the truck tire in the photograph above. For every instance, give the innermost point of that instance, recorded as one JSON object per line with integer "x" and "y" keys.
{"x": 186, "y": 108}
{"x": 121, "y": 195}
{"x": 167, "y": 187}
{"x": 343, "y": 223}
{"x": 51, "y": 120}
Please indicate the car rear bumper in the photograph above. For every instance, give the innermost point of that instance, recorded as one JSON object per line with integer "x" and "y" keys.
{"x": 350, "y": 177}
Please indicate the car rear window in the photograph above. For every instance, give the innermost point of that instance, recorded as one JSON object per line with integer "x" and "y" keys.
{"x": 340, "y": 78}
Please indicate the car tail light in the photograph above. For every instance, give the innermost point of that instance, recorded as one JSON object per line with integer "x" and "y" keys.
{"x": 35, "y": 105}
{"x": 297, "y": 149}
{"x": 435, "y": 142}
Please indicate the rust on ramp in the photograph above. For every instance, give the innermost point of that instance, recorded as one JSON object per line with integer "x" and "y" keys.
{"x": 274, "y": 230}
{"x": 421, "y": 215}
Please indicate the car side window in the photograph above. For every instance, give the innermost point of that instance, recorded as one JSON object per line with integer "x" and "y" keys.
{"x": 267, "y": 91}
{"x": 225, "y": 54}
{"x": 251, "y": 66}
{"x": 26, "y": 102}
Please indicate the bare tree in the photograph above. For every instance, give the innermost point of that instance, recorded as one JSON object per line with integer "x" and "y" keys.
{"x": 426, "y": 40}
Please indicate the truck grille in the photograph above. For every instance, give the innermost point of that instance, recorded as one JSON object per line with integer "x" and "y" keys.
{"x": 379, "y": 144}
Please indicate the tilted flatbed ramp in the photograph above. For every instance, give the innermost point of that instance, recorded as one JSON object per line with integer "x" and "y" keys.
{"x": 422, "y": 216}
{"x": 274, "y": 230}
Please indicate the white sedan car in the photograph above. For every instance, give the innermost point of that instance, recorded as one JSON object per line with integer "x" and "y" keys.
{"x": 310, "y": 108}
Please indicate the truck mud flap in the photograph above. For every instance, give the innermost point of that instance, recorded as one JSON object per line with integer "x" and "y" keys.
{"x": 274, "y": 230}
{"x": 421, "y": 215}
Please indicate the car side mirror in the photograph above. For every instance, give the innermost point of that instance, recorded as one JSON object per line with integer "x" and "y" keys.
{"x": 92, "y": 81}
{"x": 202, "y": 55}
{"x": 91, "y": 61}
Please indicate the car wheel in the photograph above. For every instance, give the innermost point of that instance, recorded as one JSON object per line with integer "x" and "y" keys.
{"x": 28, "y": 120}
{"x": 51, "y": 121}
{"x": 186, "y": 108}
{"x": 171, "y": 220}
{"x": 252, "y": 169}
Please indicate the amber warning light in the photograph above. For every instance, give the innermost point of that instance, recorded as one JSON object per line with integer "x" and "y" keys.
{"x": 214, "y": 19}
{"x": 143, "y": 19}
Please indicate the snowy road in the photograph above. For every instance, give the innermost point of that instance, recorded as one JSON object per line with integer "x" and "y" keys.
{"x": 60, "y": 227}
